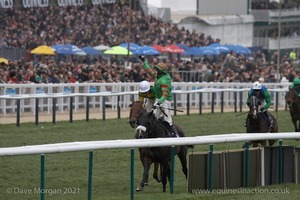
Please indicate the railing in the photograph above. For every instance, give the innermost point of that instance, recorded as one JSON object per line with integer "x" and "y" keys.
{"x": 46, "y": 92}
{"x": 185, "y": 99}
{"x": 133, "y": 143}
{"x": 269, "y": 15}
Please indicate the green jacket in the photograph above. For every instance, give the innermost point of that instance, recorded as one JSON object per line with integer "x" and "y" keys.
{"x": 263, "y": 95}
{"x": 296, "y": 81}
{"x": 162, "y": 87}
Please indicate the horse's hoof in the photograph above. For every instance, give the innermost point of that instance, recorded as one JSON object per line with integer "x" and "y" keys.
{"x": 139, "y": 189}
{"x": 158, "y": 179}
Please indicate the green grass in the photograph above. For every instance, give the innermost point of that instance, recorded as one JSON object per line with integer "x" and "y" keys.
{"x": 67, "y": 172}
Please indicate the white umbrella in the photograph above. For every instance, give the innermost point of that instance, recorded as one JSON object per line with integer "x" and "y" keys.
{"x": 102, "y": 47}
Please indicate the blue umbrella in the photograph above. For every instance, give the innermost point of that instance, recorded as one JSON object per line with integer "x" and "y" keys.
{"x": 221, "y": 48}
{"x": 133, "y": 47}
{"x": 91, "y": 51}
{"x": 193, "y": 51}
{"x": 243, "y": 49}
{"x": 183, "y": 46}
{"x": 68, "y": 49}
{"x": 238, "y": 49}
{"x": 208, "y": 51}
{"x": 146, "y": 50}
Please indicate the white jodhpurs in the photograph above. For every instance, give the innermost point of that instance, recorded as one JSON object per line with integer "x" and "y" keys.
{"x": 165, "y": 107}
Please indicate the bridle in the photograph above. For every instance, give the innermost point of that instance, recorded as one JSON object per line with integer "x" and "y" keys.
{"x": 148, "y": 130}
{"x": 133, "y": 116}
{"x": 253, "y": 107}
{"x": 293, "y": 99}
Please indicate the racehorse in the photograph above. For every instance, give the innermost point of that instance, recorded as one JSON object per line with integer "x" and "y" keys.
{"x": 150, "y": 127}
{"x": 257, "y": 122}
{"x": 136, "y": 111}
{"x": 149, "y": 155}
{"x": 293, "y": 101}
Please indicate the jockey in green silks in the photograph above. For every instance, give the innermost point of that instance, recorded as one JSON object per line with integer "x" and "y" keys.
{"x": 162, "y": 90}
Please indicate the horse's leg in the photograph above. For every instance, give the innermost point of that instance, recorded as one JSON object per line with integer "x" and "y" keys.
{"x": 263, "y": 143}
{"x": 142, "y": 157}
{"x": 182, "y": 157}
{"x": 155, "y": 173}
{"x": 271, "y": 142}
{"x": 146, "y": 163}
{"x": 165, "y": 173}
{"x": 255, "y": 144}
{"x": 295, "y": 125}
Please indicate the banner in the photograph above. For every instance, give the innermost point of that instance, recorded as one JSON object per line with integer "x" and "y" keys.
{"x": 35, "y": 3}
{"x": 6, "y": 3}
{"x": 61, "y": 3}
{"x": 70, "y": 2}
{"x": 98, "y": 2}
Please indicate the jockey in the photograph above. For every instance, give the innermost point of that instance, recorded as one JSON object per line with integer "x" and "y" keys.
{"x": 162, "y": 90}
{"x": 264, "y": 97}
{"x": 146, "y": 95}
{"x": 296, "y": 79}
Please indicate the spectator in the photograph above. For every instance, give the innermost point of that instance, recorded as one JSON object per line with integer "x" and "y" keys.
{"x": 70, "y": 78}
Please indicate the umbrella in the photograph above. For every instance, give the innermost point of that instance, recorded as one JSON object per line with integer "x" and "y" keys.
{"x": 91, "y": 51}
{"x": 173, "y": 49}
{"x": 159, "y": 48}
{"x": 243, "y": 49}
{"x": 195, "y": 51}
{"x": 43, "y": 50}
{"x": 221, "y": 48}
{"x": 60, "y": 49}
{"x": 238, "y": 49}
{"x": 4, "y": 60}
{"x": 117, "y": 50}
{"x": 102, "y": 47}
{"x": 68, "y": 49}
{"x": 208, "y": 51}
{"x": 146, "y": 50}
{"x": 183, "y": 46}
{"x": 132, "y": 46}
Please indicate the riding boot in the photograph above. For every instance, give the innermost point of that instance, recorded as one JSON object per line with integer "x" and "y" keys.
{"x": 170, "y": 129}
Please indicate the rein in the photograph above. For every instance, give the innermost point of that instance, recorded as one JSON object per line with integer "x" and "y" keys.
{"x": 295, "y": 97}
{"x": 153, "y": 123}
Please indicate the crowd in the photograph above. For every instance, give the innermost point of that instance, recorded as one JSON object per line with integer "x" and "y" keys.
{"x": 108, "y": 25}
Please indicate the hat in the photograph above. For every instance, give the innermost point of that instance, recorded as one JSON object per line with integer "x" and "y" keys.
{"x": 162, "y": 67}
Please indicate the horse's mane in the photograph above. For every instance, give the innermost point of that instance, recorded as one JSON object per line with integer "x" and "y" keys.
{"x": 157, "y": 129}
{"x": 136, "y": 107}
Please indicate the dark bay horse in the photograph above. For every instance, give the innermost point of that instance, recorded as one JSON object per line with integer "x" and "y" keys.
{"x": 150, "y": 127}
{"x": 149, "y": 155}
{"x": 293, "y": 101}
{"x": 136, "y": 111}
{"x": 257, "y": 122}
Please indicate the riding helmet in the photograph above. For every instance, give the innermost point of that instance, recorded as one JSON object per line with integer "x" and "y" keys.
{"x": 256, "y": 86}
{"x": 144, "y": 86}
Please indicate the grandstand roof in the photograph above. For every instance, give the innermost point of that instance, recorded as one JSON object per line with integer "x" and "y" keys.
{"x": 213, "y": 19}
